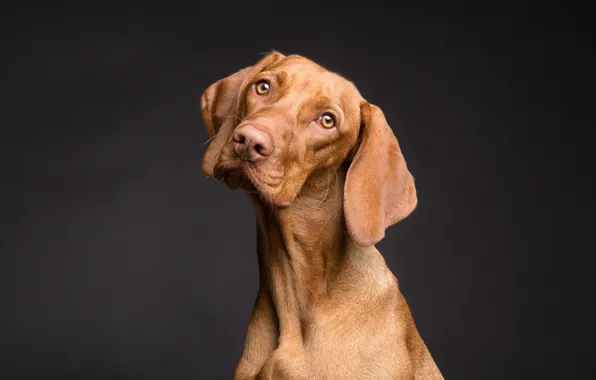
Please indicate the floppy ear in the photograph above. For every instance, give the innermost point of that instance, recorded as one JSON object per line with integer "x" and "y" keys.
{"x": 220, "y": 107}
{"x": 379, "y": 189}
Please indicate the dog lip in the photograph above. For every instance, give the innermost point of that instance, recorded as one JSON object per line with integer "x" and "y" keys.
{"x": 238, "y": 174}
{"x": 235, "y": 176}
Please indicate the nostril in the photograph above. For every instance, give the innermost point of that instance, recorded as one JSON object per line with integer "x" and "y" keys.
{"x": 251, "y": 143}
{"x": 259, "y": 149}
{"x": 239, "y": 138}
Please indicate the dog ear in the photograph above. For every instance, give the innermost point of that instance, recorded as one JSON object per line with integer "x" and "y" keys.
{"x": 379, "y": 189}
{"x": 220, "y": 106}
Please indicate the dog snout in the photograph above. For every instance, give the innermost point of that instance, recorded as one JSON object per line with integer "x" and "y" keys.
{"x": 252, "y": 144}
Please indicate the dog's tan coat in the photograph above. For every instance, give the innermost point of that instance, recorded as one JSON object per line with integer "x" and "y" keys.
{"x": 327, "y": 306}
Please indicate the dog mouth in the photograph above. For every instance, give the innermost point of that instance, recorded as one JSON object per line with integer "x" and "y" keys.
{"x": 267, "y": 184}
{"x": 235, "y": 178}
{"x": 245, "y": 176}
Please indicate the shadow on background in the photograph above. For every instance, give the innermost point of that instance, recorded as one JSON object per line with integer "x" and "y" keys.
{"x": 120, "y": 260}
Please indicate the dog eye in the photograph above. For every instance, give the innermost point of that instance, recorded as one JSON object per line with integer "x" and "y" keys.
{"x": 262, "y": 87}
{"x": 327, "y": 120}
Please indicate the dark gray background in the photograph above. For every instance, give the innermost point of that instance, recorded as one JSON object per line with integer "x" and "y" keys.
{"x": 121, "y": 261}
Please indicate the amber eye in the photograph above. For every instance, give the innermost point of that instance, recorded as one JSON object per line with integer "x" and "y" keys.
{"x": 262, "y": 87}
{"x": 327, "y": 120}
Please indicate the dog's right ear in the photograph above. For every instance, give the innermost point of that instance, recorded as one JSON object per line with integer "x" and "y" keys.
{"x": 219, "y": 105}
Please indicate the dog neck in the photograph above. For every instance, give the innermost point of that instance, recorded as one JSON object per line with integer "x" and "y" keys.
{"x": 300, "y": 247}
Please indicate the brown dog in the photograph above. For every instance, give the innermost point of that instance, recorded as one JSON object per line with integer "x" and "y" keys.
{"x": 327, "y": 177}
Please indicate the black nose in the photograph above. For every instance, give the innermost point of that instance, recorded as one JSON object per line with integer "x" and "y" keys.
{"x": 252, "y": 144}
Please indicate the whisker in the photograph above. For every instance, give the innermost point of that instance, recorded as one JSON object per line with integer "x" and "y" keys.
{"x": 214, "y": 114}
{"x": 326, "y": 192}
{"x": 333, "y": 216}
{"x": 206, "y": 142}
{"x": 215, "y": 135}
{"x": 336, "y": 178}
{"x": 236, "y": 116}
{"x": 211, "y": 138}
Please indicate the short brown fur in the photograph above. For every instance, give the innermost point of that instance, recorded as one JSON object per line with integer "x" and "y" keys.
{"x": 327, "y": 306}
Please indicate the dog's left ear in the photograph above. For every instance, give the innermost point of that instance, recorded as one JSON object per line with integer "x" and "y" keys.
{"x": 220, "y": 106}
{"x": 379, "y": 189}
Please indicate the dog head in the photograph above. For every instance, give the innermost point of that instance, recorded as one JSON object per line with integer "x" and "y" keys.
{"x": 274, "y": 124}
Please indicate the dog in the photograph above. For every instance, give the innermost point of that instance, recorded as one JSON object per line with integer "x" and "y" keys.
{"x": 327, "y": 177}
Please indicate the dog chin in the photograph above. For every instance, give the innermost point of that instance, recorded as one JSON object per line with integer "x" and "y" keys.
{"x": 237, "y": 178}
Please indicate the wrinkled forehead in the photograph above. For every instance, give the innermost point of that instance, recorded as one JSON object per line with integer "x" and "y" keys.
{"x": 301, "y": 75}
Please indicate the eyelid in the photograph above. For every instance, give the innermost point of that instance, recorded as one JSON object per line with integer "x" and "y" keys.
{"x": 335, "y": 112}
{"x": 261, "y": 78}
